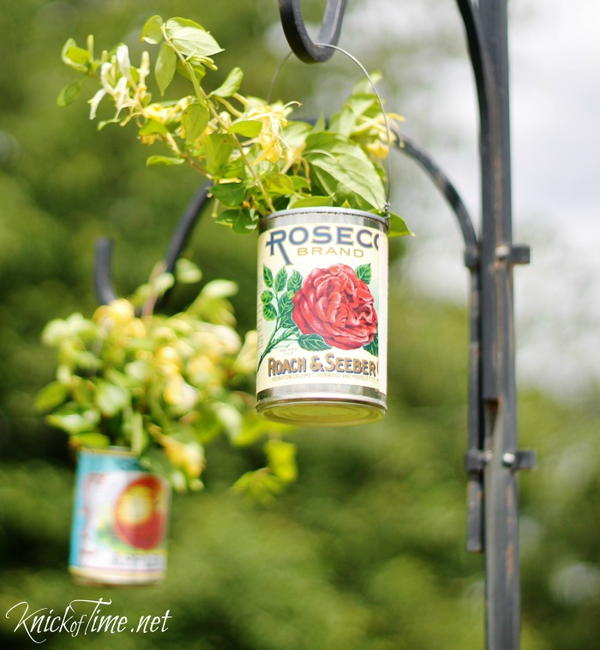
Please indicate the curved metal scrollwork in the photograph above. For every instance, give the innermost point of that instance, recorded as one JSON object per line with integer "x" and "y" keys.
{"x": 103, "y": 285}
{"x": 297, "y": 36}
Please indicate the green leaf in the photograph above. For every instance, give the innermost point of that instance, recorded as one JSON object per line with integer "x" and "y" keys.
{"x": 229, "y": 194}
{"x": 95, "y": 440}
{"x": 75, "y": 57}
{"x": 138, "y": 437}
{"x": 111, "y": 398}
{"x": 349, "y": 167}
{"x": 219, "y": 289}
{"x": 187, "y": 272}
{"x": 310, "y": 201}
{"x": 373, "y": 346}
{"x": 300, "y": 183}
{"x": 366, "y": 86}
{"x": 194, "y": 120}
{"x": 276, "y": 183}
{"x": 281, "y": 279}
{"x": 269, "y": 312}
{"x": 69, "y": 94}
{"x": 50, "y": 396}
{"x": 151, "y": 31}
{"x": 218, "y": 148}
{"x": 282, "y": 459}
{"x": 245, "y": 221}
{"x": 363, "y": 272}
{"x": 72, "y": 419}
{"x": 313, "y": 342}
{"x": 190, "y": 38}
{"x": 295, "y": 133}
{"x": 267, "y": 276}
{"x": 166, "y": 161}
{"x": 294, "y": 281}
{"x": 397, "y": 226}
{"x": 247, "y": 128}
{"x": 164, "y": 68}
{"x": 259, "y": 485}
{"x": 242, "y": 220}
{"x": 151, "y": 127}
{"x": 231, "y": 84}
{"x": 266, "y": 296}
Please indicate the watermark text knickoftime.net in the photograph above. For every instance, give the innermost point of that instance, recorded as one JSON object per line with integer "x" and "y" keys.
{"x": 81, "y": 617}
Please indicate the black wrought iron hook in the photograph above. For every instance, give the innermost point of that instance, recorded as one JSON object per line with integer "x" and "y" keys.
{"x": 297, "y": 36}
{"x": 103, "y": 285}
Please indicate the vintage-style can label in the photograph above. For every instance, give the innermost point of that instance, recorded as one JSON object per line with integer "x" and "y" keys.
{"x": 118, "y": 534}
{"x": 322, "y": 316}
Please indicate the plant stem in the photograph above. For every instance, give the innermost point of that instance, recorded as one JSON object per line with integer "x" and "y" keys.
{"x": 202, "y": 95}
{"x": 274, "y": 343}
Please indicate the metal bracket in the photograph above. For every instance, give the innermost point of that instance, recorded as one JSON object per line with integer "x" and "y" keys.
{"x": 516, "y": 460}
{"x": 515, "y": 254}
{"x": 476, "y": 460}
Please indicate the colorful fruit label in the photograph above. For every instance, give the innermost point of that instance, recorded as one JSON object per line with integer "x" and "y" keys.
{"x": 120, "y": 518}
{"x": 322, "y": 304}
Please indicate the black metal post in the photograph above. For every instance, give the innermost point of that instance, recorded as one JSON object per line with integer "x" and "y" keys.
{"x": 501, "y": 534}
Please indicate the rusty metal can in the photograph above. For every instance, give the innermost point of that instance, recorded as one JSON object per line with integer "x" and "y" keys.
{"x": 322, "y": 316}
{"x": 118, "y": 534}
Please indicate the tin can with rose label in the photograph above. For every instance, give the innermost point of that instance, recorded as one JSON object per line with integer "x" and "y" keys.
{"x": 118, "y": 535}
{"x": 322, "y": 316}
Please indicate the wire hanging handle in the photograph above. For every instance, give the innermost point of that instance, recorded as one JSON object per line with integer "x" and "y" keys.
{"x": 388, "y": 130}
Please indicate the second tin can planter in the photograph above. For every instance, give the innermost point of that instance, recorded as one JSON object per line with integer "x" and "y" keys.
{"x": 118, "y": 536}
{"x": 322, "y": 316}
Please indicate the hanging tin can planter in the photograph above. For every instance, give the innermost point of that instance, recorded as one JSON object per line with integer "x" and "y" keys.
{"x": 322, "y": 316}
{"x": 118, "y": 535}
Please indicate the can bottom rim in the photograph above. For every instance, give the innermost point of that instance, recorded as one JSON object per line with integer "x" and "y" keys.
{"x": 105, "y": 578}
{"x": 321, "y": 413}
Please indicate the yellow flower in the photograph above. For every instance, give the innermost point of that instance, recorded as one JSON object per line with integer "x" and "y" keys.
{"x": 168, "y": 361}
{"x": 135, "y": 329}
{"x": 187, "y": 456}
{"x": 201, "y": 368}
{"x": 378, "y": 149}
{"x": 179, "y": 393}
{"x": 118, "y": 312}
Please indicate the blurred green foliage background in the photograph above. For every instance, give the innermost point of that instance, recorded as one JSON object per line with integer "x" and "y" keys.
{"x": 366, "y": 550}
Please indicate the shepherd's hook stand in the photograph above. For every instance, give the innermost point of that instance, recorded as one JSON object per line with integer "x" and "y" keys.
{"x": 492, "y": 459}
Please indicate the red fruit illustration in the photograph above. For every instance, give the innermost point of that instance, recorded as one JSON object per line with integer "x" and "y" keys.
{"x": 336, "y": 304}
{"x": 141, "y": 513}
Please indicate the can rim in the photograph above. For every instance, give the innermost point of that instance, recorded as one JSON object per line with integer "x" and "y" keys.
{"x": 327, "y": 210}
{"x": 114, "y": 450}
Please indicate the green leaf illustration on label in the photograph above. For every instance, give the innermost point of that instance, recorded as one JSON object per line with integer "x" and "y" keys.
{"x": 267, "y": 276}
{"x": 287, "y": 321}
{"x": 266, "y": 297}
{"x": 373, "y": 346}
{"x": 363, "y": 272}
{"x": 294, "y": 282}
{"x": 312, "y": 342}
{"x": 269, "y": 312}
{"x": 281, "y": 280}
{"x": 285, "y": 303}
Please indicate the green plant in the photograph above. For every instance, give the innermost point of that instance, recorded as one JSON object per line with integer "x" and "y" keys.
{"x": 163, "y": 386}
{"x": 258, "y": 159}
